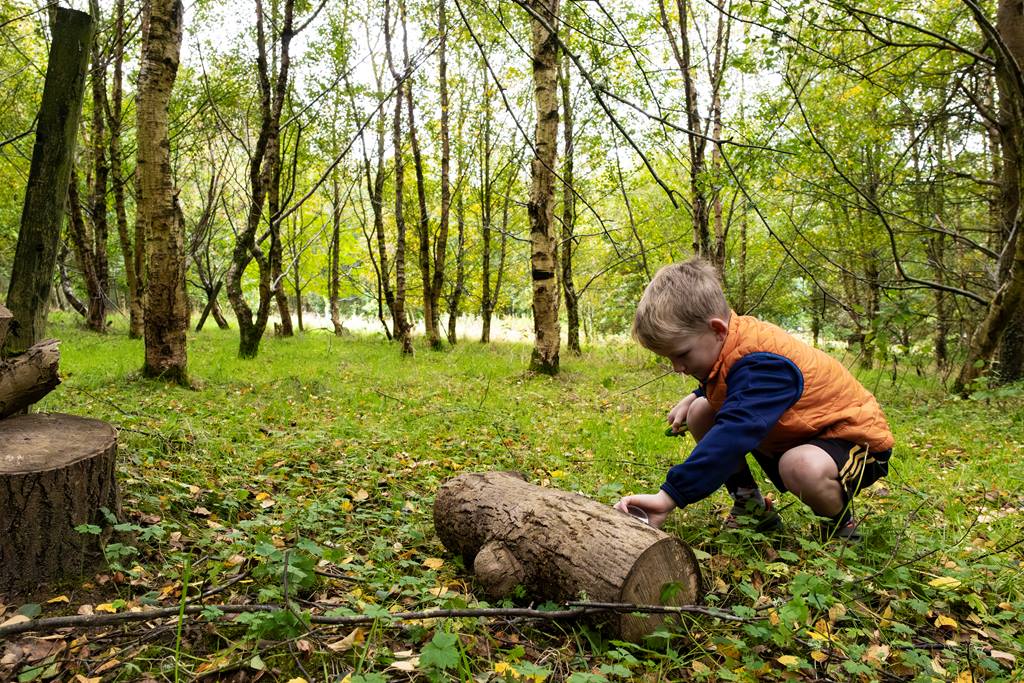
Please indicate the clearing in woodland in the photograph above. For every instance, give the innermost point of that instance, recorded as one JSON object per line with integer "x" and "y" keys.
{"x": 303, "y": 483}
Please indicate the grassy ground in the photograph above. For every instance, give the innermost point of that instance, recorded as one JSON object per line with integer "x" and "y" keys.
{"x": 322, "y": 456}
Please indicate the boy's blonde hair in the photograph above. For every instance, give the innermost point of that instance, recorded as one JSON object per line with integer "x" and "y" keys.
{"x": 678, "y": 302}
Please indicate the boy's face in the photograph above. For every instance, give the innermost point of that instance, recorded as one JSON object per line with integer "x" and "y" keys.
{"x": 695, "y": 354}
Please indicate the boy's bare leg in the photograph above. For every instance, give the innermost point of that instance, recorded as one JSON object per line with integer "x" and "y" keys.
{"x": 812, "y": 476}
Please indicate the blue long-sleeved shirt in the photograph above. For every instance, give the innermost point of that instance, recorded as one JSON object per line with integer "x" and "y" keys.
{"x": 760, "y": 388}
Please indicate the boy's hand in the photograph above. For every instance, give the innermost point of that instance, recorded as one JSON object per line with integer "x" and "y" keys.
{"x": 656, "y": 505}
{"x": 677, "y": 416}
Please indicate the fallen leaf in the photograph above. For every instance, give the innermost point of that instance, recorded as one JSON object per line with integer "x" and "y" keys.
{"x": 966, "y": 676}
{"x": 106, "y": 607}
{"x": 82, "y": 679}
{"x": 433, "y": 563}
{"x": 235, "y": 560}
{"x": 16, "y": 619}
{"x": 1005, "y": 656}
{"x": 819, "y": 656}
{"x": 59, "y": 598}
{"x": 346, "y": 505}
{"x": 360, "y": 495}
{"x": 304, "y": 645}
{"x": 943, "y": 621}
{"x": 405, "y": 665}
{"x": 262, "y": 495}
{"x": 86, "y": 610}
{"x": 937, "y": 666}
{"x": 877, "y": 654}
{"x": 297, "y": 680}
{"x": 107, "y": 666}
{"x": 787, "y": 660}
{"x": 945, "y": 582}
{"x": 348, "y": 642}
{"x": 201, "y": 511}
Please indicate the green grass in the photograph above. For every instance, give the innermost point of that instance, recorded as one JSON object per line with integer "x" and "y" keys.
{"x": 327, "y": 450}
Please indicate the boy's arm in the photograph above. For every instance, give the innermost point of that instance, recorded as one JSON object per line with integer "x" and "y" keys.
{"x": 761, "y": 387}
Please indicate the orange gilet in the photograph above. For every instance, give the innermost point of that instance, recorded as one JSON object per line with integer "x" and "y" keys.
{"x": 833, "y": 403}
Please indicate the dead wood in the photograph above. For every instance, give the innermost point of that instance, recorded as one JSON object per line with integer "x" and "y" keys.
{"x": 26, "y": 378}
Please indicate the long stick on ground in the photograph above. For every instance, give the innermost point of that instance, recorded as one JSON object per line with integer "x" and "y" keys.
{"x": 572, "y": 611}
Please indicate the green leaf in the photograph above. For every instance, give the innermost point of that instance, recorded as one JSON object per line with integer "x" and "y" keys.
{"x": 30, "y": 610}
{"x": 441, "y": 652}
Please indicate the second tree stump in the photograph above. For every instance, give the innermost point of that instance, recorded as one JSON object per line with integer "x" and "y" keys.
{"x": 561, "y": 546}
{"x": 56, "y": 472}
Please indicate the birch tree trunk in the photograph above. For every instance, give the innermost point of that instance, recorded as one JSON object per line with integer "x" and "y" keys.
{"x": 487, "y": 297}
{"x": 541, "y": 204}
{"x": 35, "y": 256}
{"x": 166, "y": 310}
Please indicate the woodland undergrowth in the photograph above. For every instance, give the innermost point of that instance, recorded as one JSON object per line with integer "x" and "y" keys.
{"x": 303, "y": 482}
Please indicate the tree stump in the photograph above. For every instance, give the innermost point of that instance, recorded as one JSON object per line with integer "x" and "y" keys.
{"x": 56, "y": 472}
{"x": 560, "y": 545}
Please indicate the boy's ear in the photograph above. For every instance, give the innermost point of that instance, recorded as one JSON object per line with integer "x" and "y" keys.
{"x": 718, "y": 326}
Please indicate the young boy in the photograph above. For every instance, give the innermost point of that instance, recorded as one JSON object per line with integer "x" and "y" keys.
{"x": 813, "y": 429}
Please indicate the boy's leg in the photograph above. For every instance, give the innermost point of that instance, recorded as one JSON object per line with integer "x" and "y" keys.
{"x": 741, "y": 484}
{"x": 812, "y": 475}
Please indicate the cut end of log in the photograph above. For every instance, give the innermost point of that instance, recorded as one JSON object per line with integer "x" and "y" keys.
{"x": 50, "y": 441}
{"x": 664, "y": 574}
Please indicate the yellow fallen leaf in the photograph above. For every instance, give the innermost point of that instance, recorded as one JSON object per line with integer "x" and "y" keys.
{"x": 947, "y": 582}
{"x": 297, "y": 680}
{"x": 942, "y": 620}
{"x": 348, "y": 642}
{"x": 886, "y": 621}
{"x": 773, "y": 618}
{"x": 262, "y": 495}
{"x": 937, "y": 666}
{"x": 346, "y": 506}
{"x": 819, "y": 656}
{"x": 966, "y": 676}
{"x": 504, "y": 668}
{"x": 700, "y": 668}
{"x": 787, "y": 660}
{"x": 433, "y": 563}
{"x": 106, "y": 607}
{"x": 82, "y": 679}
{"x": 836, "y": 612}
{"x": 1005, "y": 606}
{"x": 59, "y": 598}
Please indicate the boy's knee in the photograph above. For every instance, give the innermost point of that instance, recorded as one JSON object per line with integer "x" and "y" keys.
{"x": 806, "y": 466}
{"x": 700, "y": 418}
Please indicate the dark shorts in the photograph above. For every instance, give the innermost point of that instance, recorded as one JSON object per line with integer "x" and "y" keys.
{"x": 857, "y": 467}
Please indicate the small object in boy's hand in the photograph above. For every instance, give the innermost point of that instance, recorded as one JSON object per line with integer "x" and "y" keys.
{"x": 682, "y": 430}
{"x": 639, "y": 513}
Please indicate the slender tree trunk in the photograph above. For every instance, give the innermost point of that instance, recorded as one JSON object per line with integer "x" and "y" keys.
{"x": 572, "y": 310}
{"x": 117, "y": 181}
{"x": 334, "y": 278}
{"x": 460, "y": 269}
{"x": 42, "y": 213}
{"x": 441, "y": 242}
{"x": 166, "y": 311}
{"x": 403, "y": 330}
{"x": 97, "y": 248}
{"x": 83, "y": 241}
{"x": 681, "y": 51}
{"x": 541, "y": 203}
{"x": 261, "y": 167}
{"x": 487, "y": 297}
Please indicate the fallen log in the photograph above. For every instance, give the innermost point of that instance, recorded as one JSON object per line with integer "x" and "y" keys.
{"x": 56, "y": 473}
{"x": 559, "y": 545}
{"x": 5, "y": 324}
{"x": 26, "y": 378}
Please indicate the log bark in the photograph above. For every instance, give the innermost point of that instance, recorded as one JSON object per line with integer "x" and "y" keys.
{"x": 5, "y": 323}
{"x": 52, "y": 154}
{"x": 28, "y": 377}
{"x": 56, "y": 472}
{"x": 559, "y": 545}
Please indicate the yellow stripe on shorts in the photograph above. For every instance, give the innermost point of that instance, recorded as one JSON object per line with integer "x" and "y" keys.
{"x": 853, "y": 468}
